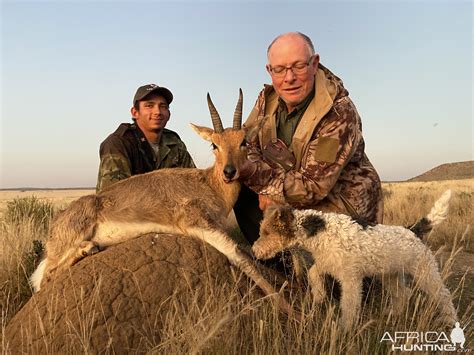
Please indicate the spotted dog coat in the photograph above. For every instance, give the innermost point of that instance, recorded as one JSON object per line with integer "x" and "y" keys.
{"x": 350, "y": 251}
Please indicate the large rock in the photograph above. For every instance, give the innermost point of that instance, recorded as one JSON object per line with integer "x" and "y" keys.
{"x": 115, "y": 301}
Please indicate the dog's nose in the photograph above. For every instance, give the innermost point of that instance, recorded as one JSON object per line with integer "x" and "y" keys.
{"x": 229, "y": 171}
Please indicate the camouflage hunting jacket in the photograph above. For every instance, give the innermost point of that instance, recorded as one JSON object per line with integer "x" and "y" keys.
{"x": 126, "y": 152}
{"x": 329, "y": 169}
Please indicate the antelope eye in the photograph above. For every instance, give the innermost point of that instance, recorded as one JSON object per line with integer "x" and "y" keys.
{"x": 214, "y": 146}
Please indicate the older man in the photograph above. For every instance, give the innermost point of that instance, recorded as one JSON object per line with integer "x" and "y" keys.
{"x": 144, "y": 145}
{"x": 309, "y": 151}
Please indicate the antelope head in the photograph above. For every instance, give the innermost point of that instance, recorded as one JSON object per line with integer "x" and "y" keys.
{"x": 229, "y": 144}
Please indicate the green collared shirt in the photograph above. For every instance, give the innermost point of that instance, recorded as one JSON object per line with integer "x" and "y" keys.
{"x": 287, "y": 122}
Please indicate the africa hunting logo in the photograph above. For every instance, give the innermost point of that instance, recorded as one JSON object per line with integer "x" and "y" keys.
{"x": 427, "y": 341}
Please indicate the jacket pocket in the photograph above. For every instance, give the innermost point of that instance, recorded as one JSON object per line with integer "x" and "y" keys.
{"x": 325, "y": 149}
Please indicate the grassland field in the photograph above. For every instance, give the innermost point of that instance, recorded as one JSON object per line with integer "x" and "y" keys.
{"x": 405, "y": 202}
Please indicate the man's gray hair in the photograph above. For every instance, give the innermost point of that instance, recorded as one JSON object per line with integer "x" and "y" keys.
{"x": 302, "y": 35}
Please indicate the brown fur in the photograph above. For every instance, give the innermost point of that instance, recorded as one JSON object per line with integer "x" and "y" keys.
{"x": 185, "y": 201}
{"x": 176, "y": 197}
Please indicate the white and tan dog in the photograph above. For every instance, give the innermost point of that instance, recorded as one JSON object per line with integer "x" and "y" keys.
{"x": 350, "y": 251}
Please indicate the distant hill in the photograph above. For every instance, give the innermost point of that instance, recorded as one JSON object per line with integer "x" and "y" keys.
{"x": 450, "y": 171}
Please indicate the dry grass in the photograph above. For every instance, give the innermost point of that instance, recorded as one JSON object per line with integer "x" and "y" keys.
{"x": 406, "y": 202}
{"x": 58, "y": 198}
{"x": 229, "y": 322}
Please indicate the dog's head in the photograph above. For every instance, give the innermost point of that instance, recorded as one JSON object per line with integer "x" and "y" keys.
{"x": 277, "y": 232}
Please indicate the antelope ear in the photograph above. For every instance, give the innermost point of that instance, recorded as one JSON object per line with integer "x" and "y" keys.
{"x": 204, "y": 132}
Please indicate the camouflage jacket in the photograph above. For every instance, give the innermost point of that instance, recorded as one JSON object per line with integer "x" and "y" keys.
{"x": 329, "y": 170}
{"x": 126, "y": 152}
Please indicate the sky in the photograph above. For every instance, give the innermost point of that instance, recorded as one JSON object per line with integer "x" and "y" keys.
{"x": 69, "y": 70}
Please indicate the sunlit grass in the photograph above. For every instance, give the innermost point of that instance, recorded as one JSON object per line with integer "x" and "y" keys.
{"x": 220, "y": 319}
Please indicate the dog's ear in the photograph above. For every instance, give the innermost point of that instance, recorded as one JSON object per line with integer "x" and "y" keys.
{"x": 286, "y": 215}
{"x": 271, "y": 212}
{"x": 279, "y": 212}
{"x": 282, "y": 218}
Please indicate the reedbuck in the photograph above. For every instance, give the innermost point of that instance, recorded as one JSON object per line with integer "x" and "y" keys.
{"x": 191, "y": 202}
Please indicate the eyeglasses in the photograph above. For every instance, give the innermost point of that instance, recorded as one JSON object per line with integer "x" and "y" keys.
{"x": 298, "y": 68}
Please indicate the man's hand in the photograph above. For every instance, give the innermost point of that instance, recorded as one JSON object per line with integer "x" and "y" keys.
{"x": 264, "y": 201}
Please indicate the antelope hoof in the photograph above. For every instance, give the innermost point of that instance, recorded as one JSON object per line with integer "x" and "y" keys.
{"x": 88, "y": 248}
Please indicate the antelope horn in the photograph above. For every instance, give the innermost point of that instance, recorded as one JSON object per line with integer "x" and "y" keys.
{"x": 238, "y": 113}
{"x": 216, "y": 120}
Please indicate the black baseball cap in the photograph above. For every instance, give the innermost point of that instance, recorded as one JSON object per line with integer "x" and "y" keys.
{"x": 145, "y": 90}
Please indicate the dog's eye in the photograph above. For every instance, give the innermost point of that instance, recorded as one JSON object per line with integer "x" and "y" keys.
{"x": 214, "y": 146}
{"x": 244, "y": 143}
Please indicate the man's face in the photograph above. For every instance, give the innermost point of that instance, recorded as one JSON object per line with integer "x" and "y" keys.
{"x": 153, "y": 113}
{"x": 292, "y": 87}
